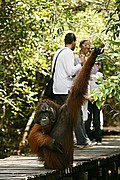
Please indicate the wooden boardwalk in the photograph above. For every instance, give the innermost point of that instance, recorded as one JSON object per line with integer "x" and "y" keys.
{"x": 88, "y": 159}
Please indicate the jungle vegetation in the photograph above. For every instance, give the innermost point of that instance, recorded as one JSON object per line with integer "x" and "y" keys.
{"x": 30, "y": 33}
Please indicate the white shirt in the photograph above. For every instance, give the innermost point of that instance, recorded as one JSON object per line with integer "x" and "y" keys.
{"x": 64, "y": 70}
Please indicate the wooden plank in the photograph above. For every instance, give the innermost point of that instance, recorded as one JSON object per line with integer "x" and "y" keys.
{"x": 28, "y": 167}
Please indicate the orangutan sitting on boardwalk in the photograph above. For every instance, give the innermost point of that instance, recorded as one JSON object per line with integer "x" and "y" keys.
{"x": 51, "y": 137}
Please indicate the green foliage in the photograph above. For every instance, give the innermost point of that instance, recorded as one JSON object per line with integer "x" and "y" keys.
{"x": 113, "y": 21}
{"x": 110, "y": 60}
{"x": 109, "y": 93}
{"x": 30, "y": 33}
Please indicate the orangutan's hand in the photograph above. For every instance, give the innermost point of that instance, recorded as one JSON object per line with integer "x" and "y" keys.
{"x": 97, "y": 51}
{"x": 55, "y": 146}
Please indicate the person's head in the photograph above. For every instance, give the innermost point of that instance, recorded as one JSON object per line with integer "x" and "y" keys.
{"x": 70, "y": 40}
{"x": 85, "y": 46}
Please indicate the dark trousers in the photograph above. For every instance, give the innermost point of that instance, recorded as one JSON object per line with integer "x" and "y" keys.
{"x": 94, "y": 115}
{"x": 60, "y": 98}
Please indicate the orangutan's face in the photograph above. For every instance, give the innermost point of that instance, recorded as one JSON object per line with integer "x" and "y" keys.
{"x": 46, "y": 117}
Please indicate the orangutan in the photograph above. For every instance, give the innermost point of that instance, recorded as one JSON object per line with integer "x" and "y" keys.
{"x": 51, "y": 137}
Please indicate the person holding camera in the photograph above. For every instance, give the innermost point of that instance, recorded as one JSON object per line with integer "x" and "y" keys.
{"x": 80, "y": 132}
{"x": 90, "y": 111}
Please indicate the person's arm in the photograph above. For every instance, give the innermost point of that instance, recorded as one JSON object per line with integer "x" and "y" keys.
{"x": 69, "y": 66}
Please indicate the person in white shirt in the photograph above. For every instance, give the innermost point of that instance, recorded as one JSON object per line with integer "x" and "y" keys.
{"x": 80, "y": 132}
{"x": 65, "y": 69}
{"x": 90, "y": 111}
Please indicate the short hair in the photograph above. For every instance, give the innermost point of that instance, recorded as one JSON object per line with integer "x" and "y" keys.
{"x": 69, "y": 38}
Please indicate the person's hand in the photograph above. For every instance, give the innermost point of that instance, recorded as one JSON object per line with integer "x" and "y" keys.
{"x": 91, "y": 99}
{"x": 102, "y": 106}
{"x": 83, "y": 60}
